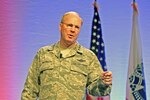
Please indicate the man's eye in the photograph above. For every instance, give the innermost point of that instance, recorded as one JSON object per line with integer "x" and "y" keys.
{"x": 77, "y": 27}
{"x": 69, "y": 25}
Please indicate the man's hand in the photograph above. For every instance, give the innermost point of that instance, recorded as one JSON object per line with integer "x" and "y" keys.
{"x": 107, "y": 77}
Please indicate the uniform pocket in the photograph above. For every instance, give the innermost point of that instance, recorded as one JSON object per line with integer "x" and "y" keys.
{"x": 46, "y": 72}
{"x": 77, "y": 78}
{"x": 46, "y": 66}
{"x": 78, "y": 71}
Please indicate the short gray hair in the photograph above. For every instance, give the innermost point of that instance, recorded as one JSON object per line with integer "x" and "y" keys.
{"x": 71, "y": 12}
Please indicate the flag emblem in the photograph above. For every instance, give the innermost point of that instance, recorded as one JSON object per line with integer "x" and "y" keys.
{"x": 136, "y": 81}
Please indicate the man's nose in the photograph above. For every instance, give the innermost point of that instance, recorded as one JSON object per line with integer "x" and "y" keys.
{"x": 73, "y": 28}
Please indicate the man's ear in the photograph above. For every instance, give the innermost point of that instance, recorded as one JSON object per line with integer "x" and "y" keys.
{"x": 60, "y": 25}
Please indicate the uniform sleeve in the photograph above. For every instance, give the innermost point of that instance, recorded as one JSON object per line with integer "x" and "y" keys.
{"x": 31, "y": 86}
{"x": 95, "y": 85}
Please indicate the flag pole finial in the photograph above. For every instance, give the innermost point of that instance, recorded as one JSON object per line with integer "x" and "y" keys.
{"x": 95, "y": 4}
{"x": 134, "y": 5}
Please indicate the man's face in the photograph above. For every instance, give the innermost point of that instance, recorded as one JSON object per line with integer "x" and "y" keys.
{"x": 70, "y": 29}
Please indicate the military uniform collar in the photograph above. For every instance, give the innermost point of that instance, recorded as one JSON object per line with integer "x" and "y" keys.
{"x": 56, "y": 50}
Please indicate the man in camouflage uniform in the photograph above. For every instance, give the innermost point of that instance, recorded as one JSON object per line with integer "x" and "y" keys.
{"x": 64, "y": 70}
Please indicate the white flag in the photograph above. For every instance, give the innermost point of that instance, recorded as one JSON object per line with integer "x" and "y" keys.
{"x": 135, "y": 89}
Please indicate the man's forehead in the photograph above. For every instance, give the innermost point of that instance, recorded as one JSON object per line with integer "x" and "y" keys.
{"x": 71, "y": 16}
{"x": 72, "y": 20}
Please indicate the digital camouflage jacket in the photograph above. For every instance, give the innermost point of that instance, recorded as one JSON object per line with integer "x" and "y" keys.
{"x": 55, "y": 77}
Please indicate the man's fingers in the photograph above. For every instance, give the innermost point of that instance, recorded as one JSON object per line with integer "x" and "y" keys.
{"x": 107, "y": 77}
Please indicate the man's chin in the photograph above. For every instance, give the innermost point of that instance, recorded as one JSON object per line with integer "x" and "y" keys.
{"x": 71, "y": 42}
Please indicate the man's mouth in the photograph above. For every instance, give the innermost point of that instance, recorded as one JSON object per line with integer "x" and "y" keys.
{"x": 70, "y": 35}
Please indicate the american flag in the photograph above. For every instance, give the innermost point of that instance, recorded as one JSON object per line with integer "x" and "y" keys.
{"x": 97, "y": 44}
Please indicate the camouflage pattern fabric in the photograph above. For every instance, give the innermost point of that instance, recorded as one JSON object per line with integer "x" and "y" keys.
{"x": 53, "y": 77}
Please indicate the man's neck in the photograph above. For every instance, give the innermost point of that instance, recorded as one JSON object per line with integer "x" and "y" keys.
{"x": 66, "y": 45}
